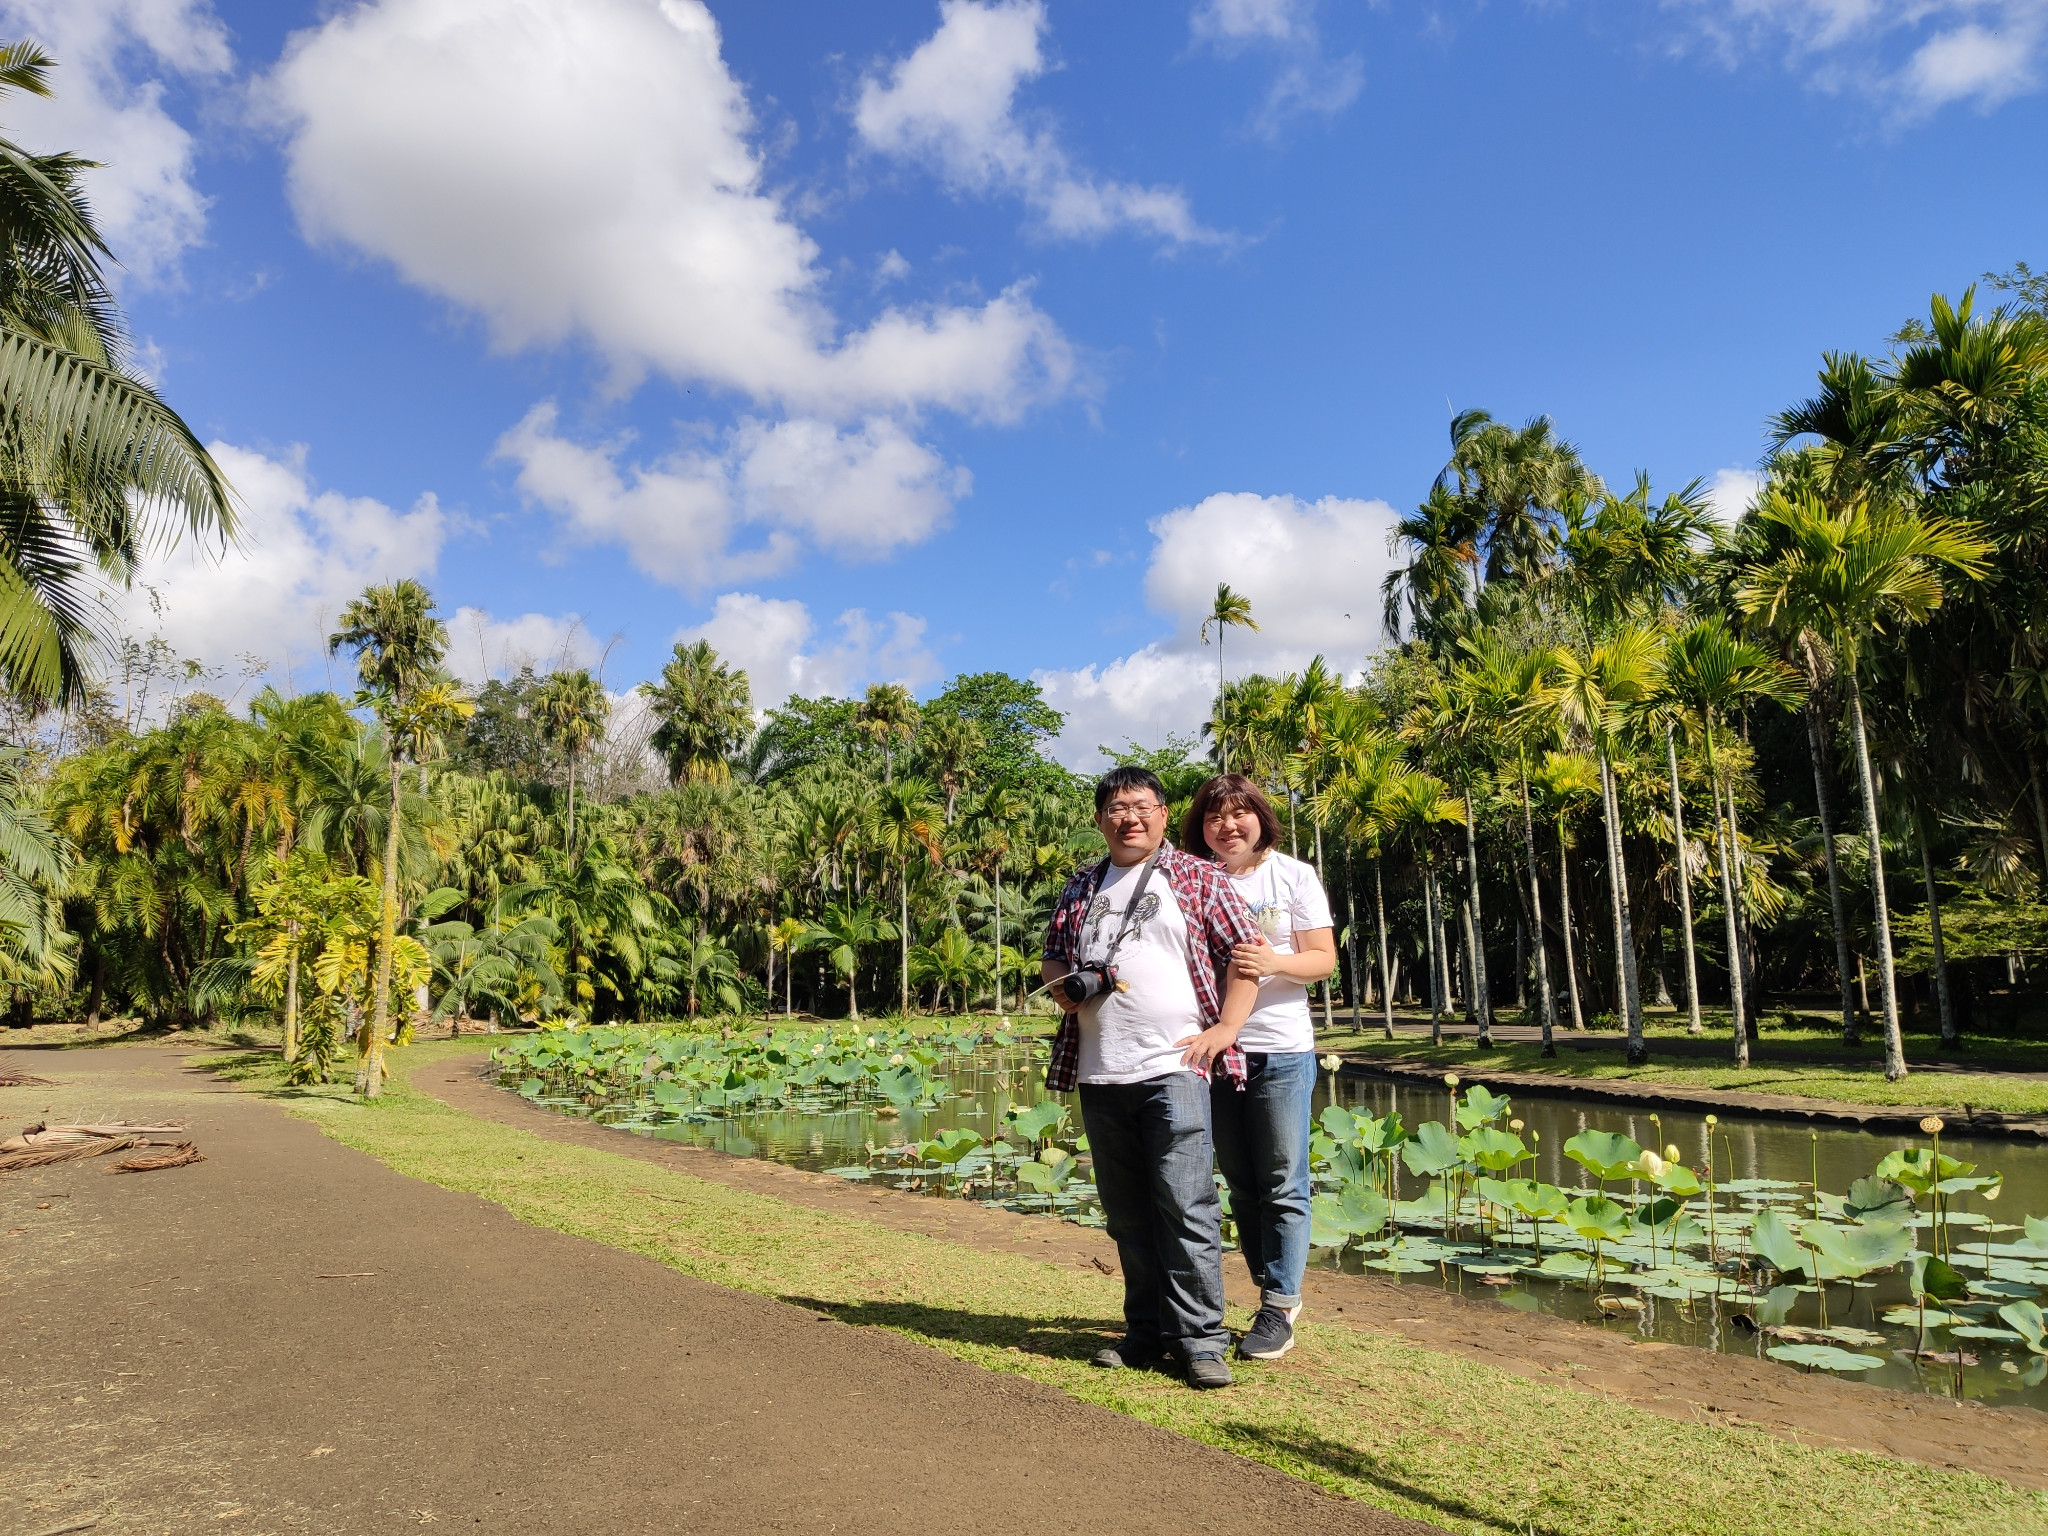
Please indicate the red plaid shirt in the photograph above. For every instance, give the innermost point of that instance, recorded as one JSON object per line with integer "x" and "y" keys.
{"x": 1217, "y": 919}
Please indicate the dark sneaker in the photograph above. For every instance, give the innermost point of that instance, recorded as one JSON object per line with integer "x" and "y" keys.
{"x": 1271, "y": 1334}
{"x": 1207, "y": 1372}
{"x": 1128, "y": 1355}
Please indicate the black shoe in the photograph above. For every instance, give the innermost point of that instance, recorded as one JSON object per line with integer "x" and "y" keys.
{"x": 1271, "y": 1334}
{"x": 1207, "y": 1372}
{"x": 1128, "y": 1355}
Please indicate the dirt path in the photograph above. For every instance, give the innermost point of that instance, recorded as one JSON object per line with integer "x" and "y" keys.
{"x": 1695, "y": 1385}
{"x": 289, "y": 1336}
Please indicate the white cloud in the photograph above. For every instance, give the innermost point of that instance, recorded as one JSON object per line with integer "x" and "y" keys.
{"x": 481, "y": 646}
{"x": 1307, "y": 80}
{"x": 1918, "y": 55}
{"x": 584, "y": 169}
{"x": 859, "y": 492}
{"x": 773, "y": 640}
{"x": 113, "y": 57}
{"x": 1312, "y": 571}
{"x": 1731, "y": 493}
{"x": 952, "y": 105}
{"x": 304, "y": 553}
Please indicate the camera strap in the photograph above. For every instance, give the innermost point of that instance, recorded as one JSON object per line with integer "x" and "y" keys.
{"x": 1131, "y": 917}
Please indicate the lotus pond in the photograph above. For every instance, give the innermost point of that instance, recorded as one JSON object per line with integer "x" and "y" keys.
{"x": 1910, "y": 1263}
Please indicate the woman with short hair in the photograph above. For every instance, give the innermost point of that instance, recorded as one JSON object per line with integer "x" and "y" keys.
{"x": 1262, "y": 1133}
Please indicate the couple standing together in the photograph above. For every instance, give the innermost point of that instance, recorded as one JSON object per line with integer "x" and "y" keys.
{"x": 1200, "y": 1055}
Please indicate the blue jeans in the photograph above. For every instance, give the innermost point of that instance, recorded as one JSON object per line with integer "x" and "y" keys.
{"x": 1154, "y": 1171}
{"x": 1262, "y": 1150}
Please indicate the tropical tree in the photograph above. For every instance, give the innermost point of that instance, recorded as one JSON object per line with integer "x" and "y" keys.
{"x": 907, "y": 825}
{"x": 1411, "y": 807}
{"x": 1230, "y": 608}
{"x": 1851, "y": 575}
{"x": 571, "y": 709}
{"x": 888, "y": 717}
{"x": 94, "y": 466}
{"x": 1709, "y": 674}
{"x": 398, "y": 646}
{"x": 840, "y": 931}
{"x": 706, "y": 711}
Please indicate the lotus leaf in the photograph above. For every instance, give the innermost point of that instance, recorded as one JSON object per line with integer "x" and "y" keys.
{"x": 1481, "y": 1106}
{"x": 1597, "y": 1219}
{"x": 1992, "y": 1335}
{"x": 2028, "y": 1322}
{"x": 1919, "y": 1169}
{"x": 1935, "y": 1279}
{"x": 1849, "y": 1253}
{"x": 1381, "y": 1135}
{"x": 1680, "y": 1180}
{"x": 1494, "y": 1149}
{"x": 1776, "y": 1246}
{"x": 1657, "y": 1214}
{"x": 1433, "y": 1150}
{"x": 1338, "y": 1121}
{"x": 1937, "y": 1317}
{"x": 1824, "y": 1357}
{"x": 1886, "y": 1199}
{"x": 1603, "y": 1154}
{"x": 1040, "y": 1120}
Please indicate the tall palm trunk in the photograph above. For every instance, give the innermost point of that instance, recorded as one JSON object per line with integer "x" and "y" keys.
{"x": 1752, "y": 971}
{"x": 1379, "y": 895}
{"x": 1536, "y": 922}
{"x": 1328, "y": 1022}
{"x": 1725, "y": 857}
{"x": 1432, "y": 936}
{"x": 1887, "y": 980}
{"x": 903, "y": 927}
{"x": 1222, "y": 698}
{"x": 1475, "y": 929}
{"x": 768, "y": 1003}
{"x": 2040, "y": 807}
{"x": 572, "y": 805}
{"x": 1838, "y": 914}
{"x": 1624, "y": 934}
{"x": 291, "y": 995}
{"x": 999, "y": 935}
{"x": 370, "y": 1075}
{"x": 1950, "y": 1034}
{"x": 1684, "y": 883}
{"x": 1354, "y": 984}
{"x": 1564, "y": 916}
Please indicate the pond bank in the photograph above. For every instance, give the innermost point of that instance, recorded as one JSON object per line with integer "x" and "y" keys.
{"x": 1967, "y": 1121}
{"x": 1689, "y": 1385}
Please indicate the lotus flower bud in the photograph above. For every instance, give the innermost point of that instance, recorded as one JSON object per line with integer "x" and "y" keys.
{"x": 817, "y": 1050}
{"x": 1673, "y": 1155}
{"x": 896, "y": 1060}
{"x": 1332, "y": 1062}
{"x": 1932, "y": 1125}
{"x": 871, "y": 1042}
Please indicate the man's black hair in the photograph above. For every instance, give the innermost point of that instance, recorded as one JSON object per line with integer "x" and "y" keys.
{"x": 1119, "y": 779}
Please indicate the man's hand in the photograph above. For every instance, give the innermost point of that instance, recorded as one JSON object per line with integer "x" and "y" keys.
{"x": 1203, "y": 1049}
{"x": 1255, "y": 960}
{"x": 1052, "y": 970}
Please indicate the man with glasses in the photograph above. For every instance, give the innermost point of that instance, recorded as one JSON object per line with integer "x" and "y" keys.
{"x": 1155, "y": 927}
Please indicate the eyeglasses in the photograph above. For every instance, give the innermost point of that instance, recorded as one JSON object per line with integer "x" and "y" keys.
{"x": 1121, "y": 810}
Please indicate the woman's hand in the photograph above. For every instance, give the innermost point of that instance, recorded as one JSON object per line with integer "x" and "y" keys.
{"x": 1254, "y": 961}
{"x": 1203, "y": 1049}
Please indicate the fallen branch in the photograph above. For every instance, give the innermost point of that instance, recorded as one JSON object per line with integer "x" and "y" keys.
{"x": 9, "y": 1078}
{"x": 67, "y": 1152}
{"x": 184, "y": 1152}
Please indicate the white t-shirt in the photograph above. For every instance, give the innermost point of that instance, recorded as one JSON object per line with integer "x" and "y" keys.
{"x": 1128, "y": 1037}
{"x": 1285, "y": 897}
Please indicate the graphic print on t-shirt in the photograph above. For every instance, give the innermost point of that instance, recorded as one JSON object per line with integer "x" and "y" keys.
{"x": 1102, "y": 933}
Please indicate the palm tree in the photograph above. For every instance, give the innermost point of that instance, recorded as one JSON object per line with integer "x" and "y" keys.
{"x": 1230, "y": 608}
{"x": 840, "y": 932}
{"x": 1358, "y": 798}
{"x": 1433, "y": 590}
{"x": 1597, "y": 687}
{"x": 949, "y": 744}
{"x": 1850, "y": 575}
{"x": 1709, "y": 674}
{"x": 1412, "y": 806}
{"x": 706, "y": 711}
{"x": 1502, "y": 689}
{"x": 906, "y": 824}
{"x": 887, "y": 716}
{"x": 1511, "y": 480}
{"x": 96, "y": 464}
{"x": 398, "y": 646}
{"x": 571, "y": 709}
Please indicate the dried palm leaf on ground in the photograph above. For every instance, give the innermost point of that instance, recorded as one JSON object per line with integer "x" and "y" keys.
{"x": 67, "y": 1152}
{"x": 9, "y": 1078}
{"x": 177, "y": 1157}
{"x": 63, "y": 1135}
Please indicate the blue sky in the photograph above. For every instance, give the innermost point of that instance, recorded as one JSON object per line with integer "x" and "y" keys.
{"x": 897, "y": 340}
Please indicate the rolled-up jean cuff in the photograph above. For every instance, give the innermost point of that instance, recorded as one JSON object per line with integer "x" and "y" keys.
{"x": 1284, "y": 1303}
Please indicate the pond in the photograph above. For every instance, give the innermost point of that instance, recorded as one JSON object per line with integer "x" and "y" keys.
{"x": 1900, "y": 1271}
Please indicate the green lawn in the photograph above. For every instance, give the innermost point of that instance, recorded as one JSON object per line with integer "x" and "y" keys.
{"x": 1432, "y": 1436}
{"x": 1807, "y": 1062}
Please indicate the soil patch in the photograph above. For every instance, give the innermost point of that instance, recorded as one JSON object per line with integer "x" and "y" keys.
{"x": 1694, "y": 1385}
{"x": 291, "y": 1336}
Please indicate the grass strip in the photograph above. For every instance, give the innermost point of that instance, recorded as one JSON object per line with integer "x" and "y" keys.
{"x": 1432, "y": 1436}
{"x": 1848, "y": 1080}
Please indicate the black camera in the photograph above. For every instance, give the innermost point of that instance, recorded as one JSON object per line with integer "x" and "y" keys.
{"x": 1089, "y": 981}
